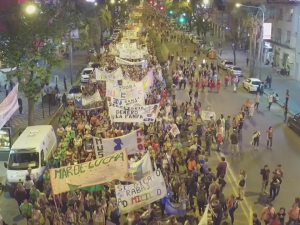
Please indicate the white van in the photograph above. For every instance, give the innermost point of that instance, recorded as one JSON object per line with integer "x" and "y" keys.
{"x": 32, "y": 149}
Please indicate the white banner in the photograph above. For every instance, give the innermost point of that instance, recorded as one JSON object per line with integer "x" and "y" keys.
{"x": 149, "y": 189}
{"x": 133, "y": 143}
{"x": 131, "y": 33}
{"x": 138, "y": 169}
{"x": 138, "y": 101}
{"x": 204, "y": 219}
{"x": 9, "y": 106}
{"x": 87, "y": 100}
{"x": 126, "y": 62}
{"x": 131, "y": 54}
{"x": 205, "y": 115}
{"x": 146, "y": 114}
{"x": 126, "y": 45}
{"x": 124, "y": 89}
{"x": 103, "y": 75}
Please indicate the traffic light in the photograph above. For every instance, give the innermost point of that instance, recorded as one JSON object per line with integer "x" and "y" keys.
{"x": 181, "y": 20}
{"x": 171, "y": 12}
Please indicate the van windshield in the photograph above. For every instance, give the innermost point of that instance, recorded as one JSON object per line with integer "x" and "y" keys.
{"x": 24, "y": 160}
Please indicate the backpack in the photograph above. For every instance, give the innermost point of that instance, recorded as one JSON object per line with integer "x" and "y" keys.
{"x": 242, "y": 183}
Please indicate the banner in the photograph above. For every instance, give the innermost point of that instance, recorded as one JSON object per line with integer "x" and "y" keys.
{"x": 204, "y": 219}
{"x": 174, "y": 130}
{"x": 9, "y": 106}
{"x": 87, "y": 100}
{"x": 137, "y": 170}
{"x": 148, "y": 81}
{"x": 132, "y": 143}
{"x": 98, "y": 171}
{"x": 175, "y": 210}
{"x": 138, "y": 101}
{"x": 103, "y": 75}
{"x": 126, "y": 46}
{"x": 124, "y": 89}
{"x": 131, "y": 54}
{"x": 139, "y": 114}
{"x": 149, "y": 189}
{"x": 126, "y": 62}
{"x": 131, "y": 33}
{"x": 205, "y": 115}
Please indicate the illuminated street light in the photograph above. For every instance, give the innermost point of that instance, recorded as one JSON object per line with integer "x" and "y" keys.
{"x": 112, "y": 1}
{"x": 30, "y": 9}
{"x": 238, "y": 5}
{"x": 126, "y": 0}
{"x": 96, "y": 3}
{"x": 205, "y": 2}
{"x": 188, "y": 1}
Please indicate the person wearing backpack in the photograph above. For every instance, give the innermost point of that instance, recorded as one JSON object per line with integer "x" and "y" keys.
{"x": 242, "y": 184}
{"x": 201, "y": 198}
{"x": 232, "y": 205}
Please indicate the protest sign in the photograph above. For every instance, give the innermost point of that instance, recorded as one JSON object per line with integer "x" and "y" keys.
{"x": 137, "y": 170}
{"x": 98, "y": 171}
{"x": 131, "y": 54}
{"x": 131, "y": 33}
{"x": 138, "y": 101}
{"x": 87, "y": 100}
{"x": 174, "y": 130}
{"x": 149, "y": 189}
{"x": 132, "y": 143}
{"x": 114, "y": 75}
{"x": 205, "y": 115}
{"x": 146, "y": 114}
{"x": 126, "y": 62}
{"x": 124, "y": 89}
{"x": 126, "y": 45}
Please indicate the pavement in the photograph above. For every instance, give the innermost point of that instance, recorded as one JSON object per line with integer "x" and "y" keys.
{"x": 279, "y": 83}
{"x": 285, "y": 148}
{"x": 42, "y": 112}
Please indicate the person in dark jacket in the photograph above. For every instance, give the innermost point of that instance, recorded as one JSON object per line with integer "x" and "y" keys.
{"x": 221, "y": 169}
{"x": 234, "y": 143}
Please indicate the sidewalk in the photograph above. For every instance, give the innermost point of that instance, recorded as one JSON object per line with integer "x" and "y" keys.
{"x": 41, "y": 112}
{"x": 279, "y": 84}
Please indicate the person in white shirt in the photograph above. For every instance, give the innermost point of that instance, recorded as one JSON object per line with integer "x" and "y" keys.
{"x": 32, "y": 175}
{"x": 28, "y": 184}
{"x": 270, "y": 101}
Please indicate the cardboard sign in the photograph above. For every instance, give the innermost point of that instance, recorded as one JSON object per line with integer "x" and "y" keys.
{"x": 95, "y": 172}
{"x": 146, "y": 114}
{"x": 133, "y": 143}
{"x": 174, "y": 130}
{"x": 149, "y": 189}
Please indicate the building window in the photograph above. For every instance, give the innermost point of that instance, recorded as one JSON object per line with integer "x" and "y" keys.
{"x": 290, "y": 16}
{"x": 280, "y": 14}
{"x": 288, "y": 36}
{"x": 278, "y": 36}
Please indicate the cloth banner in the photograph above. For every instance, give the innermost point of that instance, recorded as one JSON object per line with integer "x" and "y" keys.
{"x": 131, "y": 54}
{"x": 95, "y": 172}
{"x": 126, "y": 46}
{"x": 9, "y": 106}
{"x": 133, "y": 143}
{"x": 146, "y": 114}
{"x": 131, "y": 33}
{"x": 137, "y": 170}
{"x": 205, "y": 115}
{"x": 148, "y": 81}
{"x": 204, "y": 219}
{"x": 87, "y": 100}
{"x": 103, "y": 75}
{"x": 138, "y": 101}
{"x": 126, "y": 62}
{"x": 174, "y": 130}
{"x": 149, "y": 189}
{"x": 171, "y": 209}
{"x": 124, "y": 89}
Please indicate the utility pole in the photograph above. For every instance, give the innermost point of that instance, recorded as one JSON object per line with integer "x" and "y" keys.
{"x": 71, "y": 60}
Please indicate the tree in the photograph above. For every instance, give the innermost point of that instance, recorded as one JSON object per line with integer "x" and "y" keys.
{"x": 28, "y": 44}
{"x": 203, "y": 26}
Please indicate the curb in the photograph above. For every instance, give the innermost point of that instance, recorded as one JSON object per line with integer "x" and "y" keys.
{"x": 281, "y": 105}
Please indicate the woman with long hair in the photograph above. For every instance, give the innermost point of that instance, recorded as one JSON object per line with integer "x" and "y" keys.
{"x": 20, "y": 194}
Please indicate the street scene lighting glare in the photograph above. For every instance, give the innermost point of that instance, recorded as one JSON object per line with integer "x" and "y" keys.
{"x": 238, "y": 5}
{"x": 188, "y": 1}
{"x": 30, "y": 9}
{"x": 205, "y": 2}
{"x": 96, "y": 3}
{"x": 112, "y": 1}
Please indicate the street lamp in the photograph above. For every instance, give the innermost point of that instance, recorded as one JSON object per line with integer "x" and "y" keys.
{"x": 205, "y": 2}
{"x": 261, "y": 33}
{"x": 30, "y": 9}
{"x": 112, "y": 1}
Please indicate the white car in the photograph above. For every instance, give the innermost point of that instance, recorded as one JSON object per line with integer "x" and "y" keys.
{"x": 224, "y": 64}
{"x": 251, "y": 84}
{"x": 74, "y": 92}
{"x": 236, "y": 71}
{"x": 85, "y": 74}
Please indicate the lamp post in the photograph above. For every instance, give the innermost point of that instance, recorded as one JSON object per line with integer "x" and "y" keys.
{"x": 261, "y": 35}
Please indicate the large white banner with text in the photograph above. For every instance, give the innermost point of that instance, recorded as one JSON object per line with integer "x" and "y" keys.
{"x": 114, "y": 75}
{"x": 124, "y": 89}
{"x": 138, "y": 101}
{"x": 149, "y": 189}
{"x": 126, "y": 45}
{"x": 140, "y": 114}
{"x": 126, "y": 62}
{"x": 87, "y": 100}
{"x": 9, "y": 106}
{"x": 131, "y": 54}
{"x": 133, "y": 143}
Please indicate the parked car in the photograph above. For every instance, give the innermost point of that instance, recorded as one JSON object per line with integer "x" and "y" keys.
{"x": 251, "y": 84}
{"x": 85, "y": 74}
{"x": 294, "y": 123}
{"x": 74, "y": 91}
{"x": 224, "y": 64}
{"x": 235, "y": 70}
